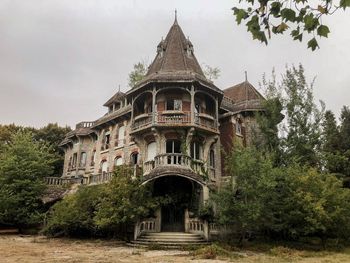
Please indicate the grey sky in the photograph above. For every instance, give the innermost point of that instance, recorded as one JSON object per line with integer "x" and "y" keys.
{"x": 60, "y": 60}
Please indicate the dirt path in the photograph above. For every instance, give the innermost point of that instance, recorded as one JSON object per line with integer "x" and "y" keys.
{"x": 18, "y": 249}
{"x": 31, "y": 249}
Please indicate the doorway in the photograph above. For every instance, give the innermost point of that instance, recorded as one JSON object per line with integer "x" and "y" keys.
{"x": 178, "y": 191}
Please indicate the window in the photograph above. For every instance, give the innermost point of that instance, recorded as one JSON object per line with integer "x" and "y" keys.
{"x": 151, "y": 151}
{"x": 196, "y": 149}
{"x": 134, "y": 158}
{"x": 238, "y": 127}
{"x": 74, "y": 162}
{"x": 93, "y": 157}
{"x": 121, "y": 135}
{"x": 118, "y": 161}
{"x": 212, "y": 158}
{"x": 173, "y": 146}
{"x": 82, "y": 159}
{"x": 173, "y": 104}
{"x": 197, "y": 107}
{"x": 106, "y": 140}
{"x": 104, "y": 166}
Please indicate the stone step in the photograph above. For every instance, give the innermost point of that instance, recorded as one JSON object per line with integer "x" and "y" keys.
{"x": 169, "y": 239}
{"x": 172, "y": 245}
{"x": 171, "y": 234}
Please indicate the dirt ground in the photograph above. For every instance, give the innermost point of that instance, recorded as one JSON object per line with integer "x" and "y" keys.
{"x": 16, "y": 248}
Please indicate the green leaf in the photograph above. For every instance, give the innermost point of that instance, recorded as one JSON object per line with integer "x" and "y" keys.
{"x": 344, "y": 3}
{"x": 312, "y": 44}
{"x": 275, "y": 8}
{"x": 310, "y": 22}
{"x": 323, "y": 31}
{"x": 288, "y": 14}
{"x": 240, "y": 14}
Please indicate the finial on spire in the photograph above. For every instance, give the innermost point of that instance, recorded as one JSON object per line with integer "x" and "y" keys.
{"x": 175, "y": 16}
{"x": 246, "y": 76}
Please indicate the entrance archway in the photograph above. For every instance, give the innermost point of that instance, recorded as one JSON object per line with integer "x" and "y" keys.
{"x": 181, "y": 194}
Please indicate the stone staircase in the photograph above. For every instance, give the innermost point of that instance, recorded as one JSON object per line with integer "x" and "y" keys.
{"x": 169, "y": 239}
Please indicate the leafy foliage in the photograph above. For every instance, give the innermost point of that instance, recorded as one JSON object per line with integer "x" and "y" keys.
{"x": 124, "y": 201}
{"x": 23, "y": 165}
{"x": 211, "y": 73}
{"x": 103, "y": 209}
{"x": 137, "y": 74}
{"x": 290, "y": 127}
{"x": 276, "y": 17}
{"x": 74, "y": 215}
{"x": 282, "y": 202}
{"x": 336, "y": 146}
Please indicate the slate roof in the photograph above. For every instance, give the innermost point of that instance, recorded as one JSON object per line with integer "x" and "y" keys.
{"x": 175, "y": 54}
{"x": 116, "y": 97}
{"x": 245, "y": 97}
{"x": 175, "y": 62}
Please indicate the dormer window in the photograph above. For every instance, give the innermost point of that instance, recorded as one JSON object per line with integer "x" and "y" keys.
{"x": 174, "y": 104}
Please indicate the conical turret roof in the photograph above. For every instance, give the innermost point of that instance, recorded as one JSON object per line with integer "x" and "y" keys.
{"x": 175, "y": 62}
{"x": 175, "y": 55}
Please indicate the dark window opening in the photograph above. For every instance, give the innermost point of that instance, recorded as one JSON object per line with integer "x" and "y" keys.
{"x": 173, "y": 104}
{"x": 134, "y": 158}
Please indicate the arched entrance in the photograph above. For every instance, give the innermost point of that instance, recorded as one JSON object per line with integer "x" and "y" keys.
{"x": 181, "y": 194}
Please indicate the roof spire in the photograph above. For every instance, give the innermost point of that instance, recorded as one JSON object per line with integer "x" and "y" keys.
{"x": 118, "y": 88}
{"x": 175, "y": 22}
{"x": 246, "y": 76}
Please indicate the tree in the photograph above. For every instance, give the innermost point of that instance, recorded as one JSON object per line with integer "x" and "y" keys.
{"x": 53, "y": 135}
{"x": 288, "y": 202}
{"x": 74, "y": 215}
{"x": 124, "y": 201}
{"x": 277, "y": 17}
{"x": 137, "y": 74}
{"x": 211, "y": 73}
{"x": 303, "y": 119}
{"x": 266, "y": 137}
{"x": 23, "y": 165}
{"x": 289, "y": 128}
{"x": 241, "y": 205}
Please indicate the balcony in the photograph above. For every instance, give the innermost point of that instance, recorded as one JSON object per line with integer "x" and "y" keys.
{"x": 175, "y": 160}
{"x": 174, "y": 118}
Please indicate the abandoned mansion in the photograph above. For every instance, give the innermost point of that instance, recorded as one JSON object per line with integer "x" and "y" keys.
{"x": 173, "y": 127}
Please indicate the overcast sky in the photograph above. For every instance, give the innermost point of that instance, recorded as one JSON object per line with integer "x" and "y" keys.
{"x": 60, "y": 60}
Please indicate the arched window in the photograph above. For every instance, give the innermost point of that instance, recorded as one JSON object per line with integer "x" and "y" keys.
{"x": 151, "y": 151}
{"x": 118, "y": 161}
{"x": 134, "y": 158}
{"x": 104, "y": 166}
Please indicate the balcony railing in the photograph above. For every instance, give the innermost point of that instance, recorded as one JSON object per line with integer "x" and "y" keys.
{"x": 170, "y": 117}
{"x": 84, "y": 124}
{"x": 206, "y": 121}
{"x": 174, "y": 159}
{"x": 166, "y": 118}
